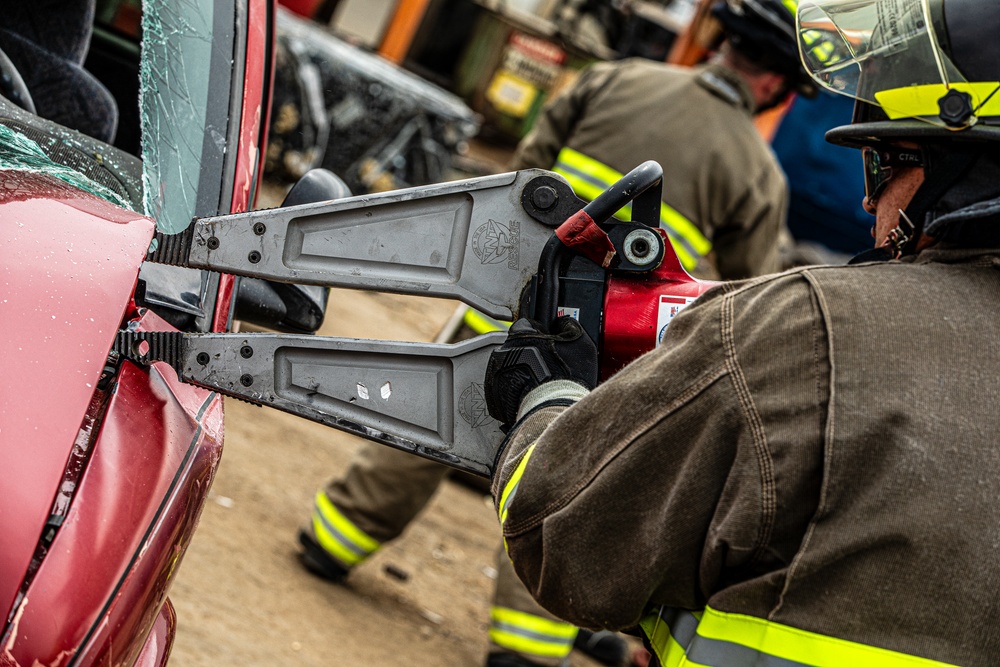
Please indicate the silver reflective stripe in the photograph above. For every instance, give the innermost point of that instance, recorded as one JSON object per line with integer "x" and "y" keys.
{"x": 509, "y": 499}
{"x": 582, "y": 175}
{"x": 715, "y": 652}
{"x": 531, "y": 634}
{"x": 345, "y": 541}
{"x": 683, "y": 625}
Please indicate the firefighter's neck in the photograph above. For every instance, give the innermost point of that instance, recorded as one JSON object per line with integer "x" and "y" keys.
{"x": 767, "y": 88}
{"x": 890, "y": 219}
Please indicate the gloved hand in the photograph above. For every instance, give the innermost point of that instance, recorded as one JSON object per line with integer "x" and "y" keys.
{"x": 529, "y": 358}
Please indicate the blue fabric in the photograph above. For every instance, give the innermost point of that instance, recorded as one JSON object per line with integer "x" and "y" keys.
{"x": 826, "y": 182}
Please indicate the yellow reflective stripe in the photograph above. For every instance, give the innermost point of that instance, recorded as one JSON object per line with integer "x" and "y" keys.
{"x": 589, "y": 178}
{"x": 481, "y": 323}
{"x": 510, "y": 489}
{"x": 338, "y": 536}
{"x": 791, "y": 5}
{"x": 720, "y": 639}
{"x": 529, "y": 634}
{"x": 799, "y": 645}
{"x": 919, "y": 101}
{"x": 666, "y": 648}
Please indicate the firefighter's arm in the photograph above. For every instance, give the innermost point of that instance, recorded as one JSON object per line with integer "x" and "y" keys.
{"x": 656, "y": 486}
{"x": 554, "y": 126}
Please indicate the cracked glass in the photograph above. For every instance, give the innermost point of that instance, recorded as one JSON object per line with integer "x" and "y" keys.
{"x": 18, "y": 152}
{"x": 185, "y": 82}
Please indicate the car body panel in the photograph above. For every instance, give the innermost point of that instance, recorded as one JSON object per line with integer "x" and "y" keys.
{"x": 68, "y": 263}
{"x": 105, "y": 476}
{"x": 103, "y": 583}
{"x": 254, "y": 122}
{"x": 156, "y": 650}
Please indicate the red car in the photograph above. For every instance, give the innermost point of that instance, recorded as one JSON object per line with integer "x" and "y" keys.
{"x": 105, "y": 466}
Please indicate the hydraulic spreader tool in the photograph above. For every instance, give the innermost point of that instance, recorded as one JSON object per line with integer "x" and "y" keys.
{"x": 520, "y": 244}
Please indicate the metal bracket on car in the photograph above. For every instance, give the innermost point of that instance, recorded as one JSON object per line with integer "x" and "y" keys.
{"x": 420, "y": 397}
{"x": 476, "y": 240}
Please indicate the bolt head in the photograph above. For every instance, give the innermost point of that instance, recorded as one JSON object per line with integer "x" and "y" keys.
{"x": 544, "y": 197}
{"x": 246, "y": 380}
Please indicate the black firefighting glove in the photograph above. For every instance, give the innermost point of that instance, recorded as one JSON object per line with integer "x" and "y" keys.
{"x": 529, "y": 358}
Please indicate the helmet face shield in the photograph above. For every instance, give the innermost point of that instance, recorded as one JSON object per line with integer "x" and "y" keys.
{"x": 888, "y": 53}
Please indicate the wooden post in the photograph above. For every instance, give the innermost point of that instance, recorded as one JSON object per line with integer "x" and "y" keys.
{"x": 402, "y": 29}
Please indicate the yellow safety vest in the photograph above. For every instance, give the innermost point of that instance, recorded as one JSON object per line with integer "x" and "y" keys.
{"x": 718, "y": 639}
{"x": 589, "y": 178}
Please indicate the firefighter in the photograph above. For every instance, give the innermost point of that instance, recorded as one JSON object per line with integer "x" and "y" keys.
{"x": 806, "y": 471}
{"x": 724, "y": 196}
{"x": 731, "y": 185}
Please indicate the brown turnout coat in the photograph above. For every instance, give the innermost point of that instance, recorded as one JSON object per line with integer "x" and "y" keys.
{"x": 819, "y": 448}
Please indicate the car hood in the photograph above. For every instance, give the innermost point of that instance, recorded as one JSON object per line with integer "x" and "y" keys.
{"x": 68, "y": 267}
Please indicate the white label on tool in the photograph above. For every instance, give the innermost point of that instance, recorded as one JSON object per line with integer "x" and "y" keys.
{"x": 563, "y": 311}
{"x": 669, "y": 307}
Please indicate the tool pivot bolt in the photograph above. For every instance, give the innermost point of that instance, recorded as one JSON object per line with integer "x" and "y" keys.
{"x": 213, "y": 243}
{"x": 544, "y": 197}
{"x": 202, "y": 358}
{"x": 259, "y": 228}
{"x": 253, "y": 257}
{"x": 246, "y": 351}
{"x": 246, "y": 380}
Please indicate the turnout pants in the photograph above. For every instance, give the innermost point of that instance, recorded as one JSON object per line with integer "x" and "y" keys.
{"x": 382, "y": 491}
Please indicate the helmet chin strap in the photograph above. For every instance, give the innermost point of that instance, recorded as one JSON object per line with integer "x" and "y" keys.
{"x": 943, "y": 167}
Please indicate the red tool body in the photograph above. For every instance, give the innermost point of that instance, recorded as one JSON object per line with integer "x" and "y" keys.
{"x": 637, "y": 310}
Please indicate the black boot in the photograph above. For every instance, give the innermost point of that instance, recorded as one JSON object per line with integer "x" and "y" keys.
{"x": 605, "y": 647}
{"x": 315, "y": 559}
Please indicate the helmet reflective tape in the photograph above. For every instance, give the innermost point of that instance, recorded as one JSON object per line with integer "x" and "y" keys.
{"x": 529, "y": 634}
{"x": 719, "y": 639}
{"x": 879, "y": 51}
{"x": 338, "y": 535}
{"x": 918, "y": 101}
{"x": 589, "y": 178}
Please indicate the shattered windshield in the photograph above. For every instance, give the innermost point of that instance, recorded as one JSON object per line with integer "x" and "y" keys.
{"x": 18, "y": 152}
{"x": 185, "y": 82}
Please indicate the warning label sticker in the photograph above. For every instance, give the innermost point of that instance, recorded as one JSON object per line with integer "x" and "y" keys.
{"x": 668, "y": 309}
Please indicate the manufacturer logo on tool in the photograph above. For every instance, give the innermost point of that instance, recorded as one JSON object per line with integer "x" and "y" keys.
{"x": 472, "y": 406}
{"x": 495, "y": 242}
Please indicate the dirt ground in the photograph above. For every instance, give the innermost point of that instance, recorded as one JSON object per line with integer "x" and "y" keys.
{"x": 243, "y": 599}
